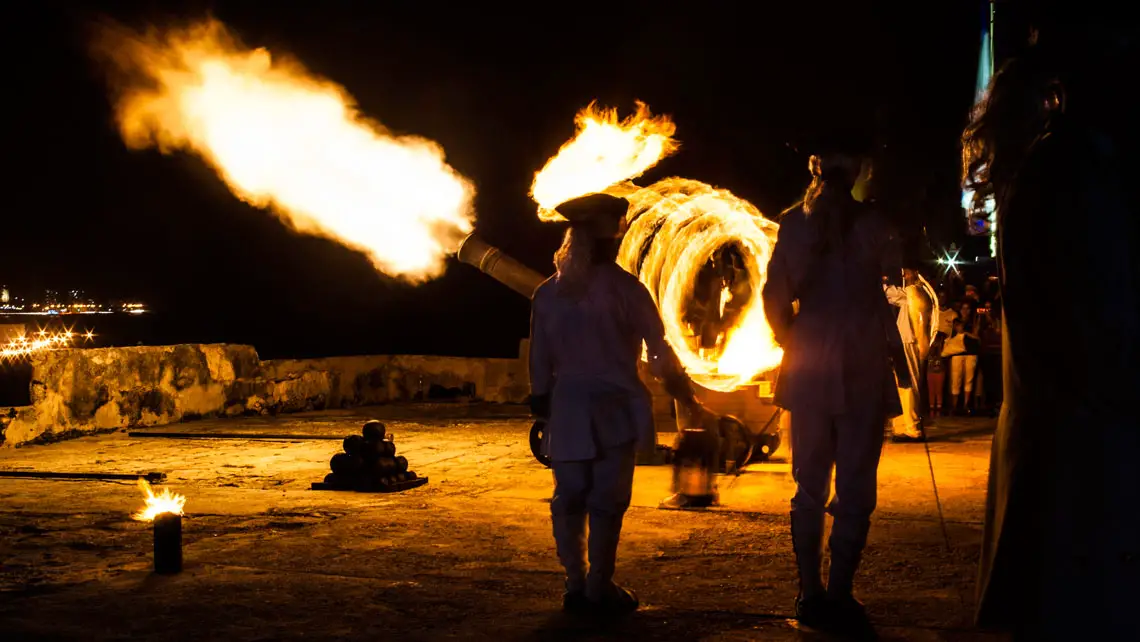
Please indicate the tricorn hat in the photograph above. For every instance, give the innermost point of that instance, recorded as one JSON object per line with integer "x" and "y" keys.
{"x": 602, "y": 214}
{"x": 838, "y": 153}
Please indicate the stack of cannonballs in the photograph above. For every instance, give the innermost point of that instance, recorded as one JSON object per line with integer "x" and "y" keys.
{"x": 369, "y": 462}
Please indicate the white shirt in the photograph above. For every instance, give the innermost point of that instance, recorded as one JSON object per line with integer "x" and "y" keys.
{"x": 946, "y": 321}
{"x": 897, "y": 296}
{"x": 584, "y": 353}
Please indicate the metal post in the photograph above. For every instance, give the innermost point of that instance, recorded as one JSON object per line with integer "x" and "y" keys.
{"x": 167, "y": 543}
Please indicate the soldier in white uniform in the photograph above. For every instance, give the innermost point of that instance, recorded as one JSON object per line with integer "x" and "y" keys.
{"x": 836, "y": 376}
{"x": 907, "y": 427}
{"x": 588, "y": 325}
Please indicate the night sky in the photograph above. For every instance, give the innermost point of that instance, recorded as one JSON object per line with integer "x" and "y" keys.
{"x": 746, "y": 84}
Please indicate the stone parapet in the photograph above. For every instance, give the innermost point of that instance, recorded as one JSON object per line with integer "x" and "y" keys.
{"x": 76, "y": 392}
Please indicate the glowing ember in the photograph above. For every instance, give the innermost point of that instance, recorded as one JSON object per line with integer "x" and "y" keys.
{"x": 678, "y": 229}
{"x": 283, "y": 138}
{"x": 23, "y": 346}
{"x": 603, "y": 152}
{"x": 164, "y": 502}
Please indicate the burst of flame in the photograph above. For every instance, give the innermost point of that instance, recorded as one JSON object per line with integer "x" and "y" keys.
{"x": 285, "y": 139}
{"x": 165, "y": 501}
{"x": 605, "y": 151}
{"x": 676, "y": 226}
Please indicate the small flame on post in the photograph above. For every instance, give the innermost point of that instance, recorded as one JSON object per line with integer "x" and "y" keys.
{"x": 165, "y": 501}
{"x": 283, "y": 138}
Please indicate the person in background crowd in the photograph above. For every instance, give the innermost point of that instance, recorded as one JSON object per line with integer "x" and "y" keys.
{"x": 972, "y": 295}
{"x": 936, "y": 375}
{"x": 1054, "y": 142}
{"x": 989, "y": 361}
{"x": 979, "y": 397}
{"x": 946, "y": 315}
{"x": 964, "y": 363}
{"x": 991, "y": 291}
{"x": 831, "y": 255}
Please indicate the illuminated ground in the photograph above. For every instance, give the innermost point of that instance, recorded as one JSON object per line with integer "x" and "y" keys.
{"x": 467, "y": 557}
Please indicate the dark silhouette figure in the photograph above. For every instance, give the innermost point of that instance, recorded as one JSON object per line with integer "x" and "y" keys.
{"x": 1054, "y": 144}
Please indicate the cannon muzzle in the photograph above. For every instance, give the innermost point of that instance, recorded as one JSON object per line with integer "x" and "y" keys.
{"x": 491, "y": 261}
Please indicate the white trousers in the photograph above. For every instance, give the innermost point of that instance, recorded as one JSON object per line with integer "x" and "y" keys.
{"x": 907, "y": 422}
{"x": 598, "y": 491}
{"x": 963, "y": 367}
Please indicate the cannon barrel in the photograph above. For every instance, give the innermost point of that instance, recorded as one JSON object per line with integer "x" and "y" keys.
{"x": 491, "y": 261}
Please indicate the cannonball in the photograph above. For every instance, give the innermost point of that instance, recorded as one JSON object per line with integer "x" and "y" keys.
{"x": 374, "y": 430}
{"x": 354, "y": 445}
{"x": 402, "y": 464}
{"x": 388, "y": 449}
{"x": 369, "y": 455}
{"x": 340, "y": 482}
{"x": 387, "y": 464}
{"x": 345, "y": 464}
{"x": 410, "y": 475}
{"x": 401, "y": 477}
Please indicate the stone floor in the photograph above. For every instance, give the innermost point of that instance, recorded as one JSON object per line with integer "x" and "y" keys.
{"x": 467, "y": 557}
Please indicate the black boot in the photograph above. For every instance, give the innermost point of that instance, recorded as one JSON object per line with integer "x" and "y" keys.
{"x": 807, "y": 543}
{"x": 614, "y": 600}
{"x": 606, "y": 597}
{"x": 813, "y": 611}
{"x": 848, "y": 618}
{"x": 574, "y": 601}
{"x": 570, "y": 542}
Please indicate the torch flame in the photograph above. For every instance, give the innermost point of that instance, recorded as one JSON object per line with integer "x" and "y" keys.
{"x": 676, "y": 226}
{"x": 605, "y": 151}
{"x": 285, "y": 139}
{"x": 164, "y": 502}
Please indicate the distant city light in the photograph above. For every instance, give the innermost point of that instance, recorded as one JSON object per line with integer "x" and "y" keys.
{"x": 51, "y": 306}
{"x": 22, "y": 347}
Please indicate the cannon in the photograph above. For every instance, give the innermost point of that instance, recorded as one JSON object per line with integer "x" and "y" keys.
{"x": 491, "y": 261}
{"x": 755, "y": 412}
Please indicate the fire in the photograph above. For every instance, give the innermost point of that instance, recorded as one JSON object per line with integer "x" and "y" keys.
{"x": 678, "y": 227}
{"x": 164, "y": 502}
{"x": 603, "y": 152}
{"x": 284, "y": 139}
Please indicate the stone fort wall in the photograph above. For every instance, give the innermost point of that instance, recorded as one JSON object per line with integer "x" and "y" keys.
{"x": 83, "y": 391}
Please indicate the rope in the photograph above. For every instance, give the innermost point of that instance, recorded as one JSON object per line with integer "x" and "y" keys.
{"x": 937, "y": 499}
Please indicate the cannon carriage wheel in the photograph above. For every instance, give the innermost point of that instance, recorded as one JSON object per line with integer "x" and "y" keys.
{"x": 536, "y": 433}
